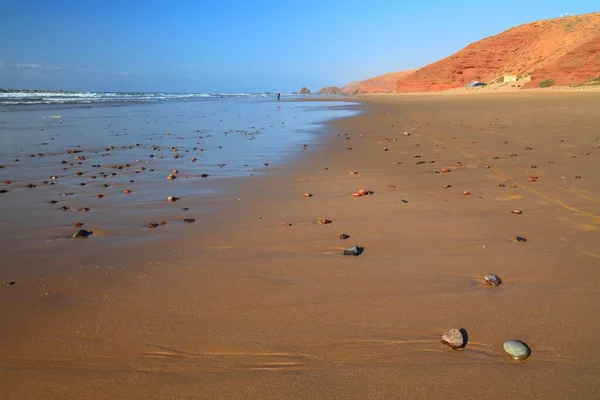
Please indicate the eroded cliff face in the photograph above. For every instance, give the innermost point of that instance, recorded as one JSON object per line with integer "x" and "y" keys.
{"x": 305, "y": 90}
{"x": 565, "y": 50}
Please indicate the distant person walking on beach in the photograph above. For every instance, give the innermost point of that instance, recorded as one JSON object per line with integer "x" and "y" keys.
{"x": 278, "y": 96}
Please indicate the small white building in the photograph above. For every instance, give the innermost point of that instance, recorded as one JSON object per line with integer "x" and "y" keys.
{"x": 509, "y": 78}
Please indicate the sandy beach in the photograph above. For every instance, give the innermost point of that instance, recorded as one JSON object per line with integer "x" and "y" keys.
{"x": 256, "y": 301}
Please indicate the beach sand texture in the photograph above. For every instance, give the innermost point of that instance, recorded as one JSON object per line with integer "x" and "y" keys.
{"x": 257, "y": 301}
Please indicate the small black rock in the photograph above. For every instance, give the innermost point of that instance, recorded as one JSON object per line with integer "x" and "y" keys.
{"x": 81, "y": 233}
{"x": 521, "y": 239}
{"x": 354, "y": 251}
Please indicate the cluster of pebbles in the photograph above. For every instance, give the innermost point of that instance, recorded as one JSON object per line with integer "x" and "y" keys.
{"x": 455, "y": 338}
{"x": 78, "y": 162}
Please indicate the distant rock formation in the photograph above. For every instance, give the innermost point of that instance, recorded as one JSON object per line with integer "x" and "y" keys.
{"x": 561, "y": 50}
{"x": 330, "y": 90}
{"x": 305, "y": 90}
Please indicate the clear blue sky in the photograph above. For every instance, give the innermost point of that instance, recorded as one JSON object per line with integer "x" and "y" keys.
{"x": 241, "y": 46}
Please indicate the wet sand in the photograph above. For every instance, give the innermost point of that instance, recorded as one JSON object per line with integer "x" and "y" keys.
{"x": 257, "y": 301}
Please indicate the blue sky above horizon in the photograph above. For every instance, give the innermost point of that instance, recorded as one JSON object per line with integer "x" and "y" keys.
{"x": 240, "y": 46}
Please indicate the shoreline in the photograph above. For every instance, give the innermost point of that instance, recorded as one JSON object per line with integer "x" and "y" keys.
{"x": 256, "y": 308}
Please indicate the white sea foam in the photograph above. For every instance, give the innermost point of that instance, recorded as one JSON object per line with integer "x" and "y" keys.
{"x": 25, "y": 98}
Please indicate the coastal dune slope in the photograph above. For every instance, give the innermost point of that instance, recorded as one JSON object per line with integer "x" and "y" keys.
{"x": 565, "y": 50}
{"x": 378, "y": 84}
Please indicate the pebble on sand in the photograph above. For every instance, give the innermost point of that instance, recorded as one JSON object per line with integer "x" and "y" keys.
{"x": 521, "y": 239}
{"x": 81, "y": 233}
{"x": 354, "y": 251}
{"x": 99, "y": 196}
{"x": 344, "y": 236}
{"x": 447, "y": 186}
{"x": 172, "y": 198}
{"x": 171, "y": 177}
{"x": 127, "y": 191}
{"x": 493, "y": 280}
{"x": 8, "y": 283}
{"x": 466, "y": 193}
{"x": 308, "y": 195}
{"x": 517, "y": 212}
{"x": 189, "y": 220}
{"x": 445, "y": 169}
{"x": 324, "y": 221}
{"x": 517, "y": 350}
{"x": 455, "y": 338}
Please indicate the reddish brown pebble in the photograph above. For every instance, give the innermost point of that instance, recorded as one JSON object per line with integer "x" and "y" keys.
{"x": 353, "y": 172}
{"x": 127, "y": 191}
{"x": 152, "y": 225}
{"x": 99, "y": 196}
{"x": 392, "y": 186}
{"x": 363, "y": 192}
{"x": 324, "y": 221}
{"x": 517, "y": 212}
{"x": 7, "y": 182}
{"x": 78, "y": 224}
{"x": 445, "y": 169}
{"x": 175, "y": 171}
{"x": 356, "y": 194}
{"x": 171, "y": 177}
{"x": 466, "y": 193}
{"x": 308, "y": 195}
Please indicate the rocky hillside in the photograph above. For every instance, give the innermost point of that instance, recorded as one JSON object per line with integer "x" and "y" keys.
{"x": 565, "y": 50}
{"x": 378, "y": 84}
{"x": 330, "y": 90}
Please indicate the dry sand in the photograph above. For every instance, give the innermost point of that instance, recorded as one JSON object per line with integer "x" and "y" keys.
{"x": 252, "y": 307}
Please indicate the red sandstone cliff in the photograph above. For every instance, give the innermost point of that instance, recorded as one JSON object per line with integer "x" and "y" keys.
{"x": 565, "y": 50}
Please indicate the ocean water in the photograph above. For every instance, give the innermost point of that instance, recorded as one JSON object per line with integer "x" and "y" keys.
{"x": 55, "y": 156}
{"x": 24, "y": 98}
